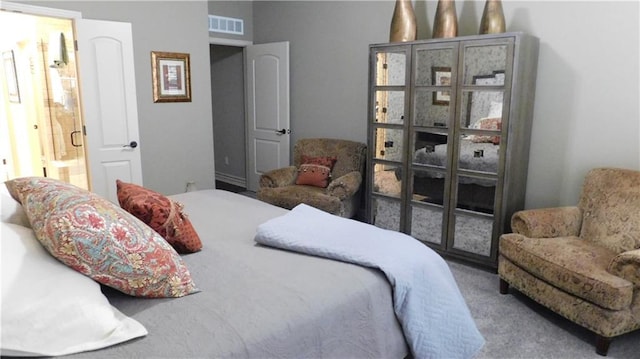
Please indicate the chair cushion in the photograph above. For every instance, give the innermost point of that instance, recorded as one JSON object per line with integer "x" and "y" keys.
{"x": 571, "y": 264}
{"x": 291, "y": 196}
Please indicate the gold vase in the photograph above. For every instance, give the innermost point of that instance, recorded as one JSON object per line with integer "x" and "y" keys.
{"x": 445, "y": 23}
{"x": 492, "y": 18}
{"x": 403, "y": 22}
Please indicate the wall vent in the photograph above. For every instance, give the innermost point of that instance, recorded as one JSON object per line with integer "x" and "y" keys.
{"x": 227, "y": 25}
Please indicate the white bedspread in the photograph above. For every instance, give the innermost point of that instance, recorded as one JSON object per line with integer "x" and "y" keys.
{"x": 435, "y": 318}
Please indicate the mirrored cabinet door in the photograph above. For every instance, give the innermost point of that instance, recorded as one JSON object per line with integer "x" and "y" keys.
{"x": 434, "y": 78}
{"x": 388, "y": 100}
{"x": 481, "y": 59}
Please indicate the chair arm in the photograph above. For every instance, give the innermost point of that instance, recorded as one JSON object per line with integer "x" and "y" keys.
{"x": 547, "y": 222}
{"x": 626, "y": 265}
{"x": 279, "y": 177}
{"x": 345, "y": 186}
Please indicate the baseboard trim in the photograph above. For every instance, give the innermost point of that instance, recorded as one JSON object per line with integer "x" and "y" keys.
{"x": 231, "y": 179}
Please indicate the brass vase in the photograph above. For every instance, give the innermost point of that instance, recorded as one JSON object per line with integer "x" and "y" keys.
{"x": 403, "y": 22}
{"x": 445, "y": 23}
{"x": 492, "y": 18}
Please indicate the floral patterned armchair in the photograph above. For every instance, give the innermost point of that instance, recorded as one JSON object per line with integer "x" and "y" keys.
{"x": 582, "y": 262}
{"x": 338, "y": 194}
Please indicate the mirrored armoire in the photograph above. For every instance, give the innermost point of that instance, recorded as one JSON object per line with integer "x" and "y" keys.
{"x": 449, "y": 133}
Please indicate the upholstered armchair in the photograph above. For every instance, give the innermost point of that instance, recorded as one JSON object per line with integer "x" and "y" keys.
{"x": 336, "y": 190}
{"x": 582, "y": 262}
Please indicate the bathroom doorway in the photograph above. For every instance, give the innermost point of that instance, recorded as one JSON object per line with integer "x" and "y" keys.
{"x": 41, "y": 128}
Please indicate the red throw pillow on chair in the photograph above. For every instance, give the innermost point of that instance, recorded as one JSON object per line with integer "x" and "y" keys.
{"x": 315, "y": 171}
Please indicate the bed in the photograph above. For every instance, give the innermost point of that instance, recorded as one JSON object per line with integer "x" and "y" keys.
{"x": 251, "y": 301}
{"x": 477, "y": 153}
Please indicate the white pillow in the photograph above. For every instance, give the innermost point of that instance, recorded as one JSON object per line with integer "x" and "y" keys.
{"x": 48, "y": 309}
{"x": 11, "y": 210}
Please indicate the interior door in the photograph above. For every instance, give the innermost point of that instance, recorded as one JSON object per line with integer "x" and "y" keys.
{"x": 108, "y": 93}
{"x": 267, "y": 101}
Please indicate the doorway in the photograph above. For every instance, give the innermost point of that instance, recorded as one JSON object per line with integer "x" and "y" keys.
{"x": 228, "y": 104}
{"x": 41, "y": 126}
{"x": 250, "y": 100}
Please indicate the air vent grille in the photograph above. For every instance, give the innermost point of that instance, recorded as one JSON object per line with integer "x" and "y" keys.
{"x": 227, "y": 25}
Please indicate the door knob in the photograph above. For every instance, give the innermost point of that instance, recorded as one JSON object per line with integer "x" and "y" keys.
{"x": 282, "y": 132}
{"x": 132, "y": 144}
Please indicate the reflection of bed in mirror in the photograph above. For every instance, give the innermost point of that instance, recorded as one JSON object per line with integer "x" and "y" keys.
{"x": 476, "y": 154}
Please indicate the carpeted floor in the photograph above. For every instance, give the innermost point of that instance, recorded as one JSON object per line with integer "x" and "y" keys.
{"x": 514, "y": 326}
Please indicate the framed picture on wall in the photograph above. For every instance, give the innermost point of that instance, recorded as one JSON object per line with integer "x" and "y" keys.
{"x": 441, "y": 76}
{"x": 171, "y": 77}
{"x": 9, "y": 64}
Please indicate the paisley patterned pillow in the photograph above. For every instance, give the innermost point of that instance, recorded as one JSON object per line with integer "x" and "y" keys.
{"x": 160, "y": 213}
{"x": 97, "y": 238}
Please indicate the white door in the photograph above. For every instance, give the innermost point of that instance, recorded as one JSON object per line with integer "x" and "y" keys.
{"x": 108, "y": 93}
{"x": 267, "y": 101}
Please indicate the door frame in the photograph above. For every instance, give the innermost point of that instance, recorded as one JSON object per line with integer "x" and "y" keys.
{"x": 76, "y": 18}
{"x": 41, "y": 11}
{"x": 241, "y": 44}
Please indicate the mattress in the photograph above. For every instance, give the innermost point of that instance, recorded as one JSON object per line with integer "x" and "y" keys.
{"x": 260, "y": 302}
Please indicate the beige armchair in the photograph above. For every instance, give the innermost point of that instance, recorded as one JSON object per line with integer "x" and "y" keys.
{"x": 582, "y": 262}
{"x": 342, "y": 195}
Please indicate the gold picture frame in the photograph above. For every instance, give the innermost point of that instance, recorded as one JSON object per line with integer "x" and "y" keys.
{"x": 171, "y": 74}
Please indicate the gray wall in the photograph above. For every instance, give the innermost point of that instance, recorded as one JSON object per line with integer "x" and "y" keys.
{"x": 586, "y": 112}
{"x": 236, "y": 9}
{"x": 176, "y": 139}
{"x": 328, "y": 60}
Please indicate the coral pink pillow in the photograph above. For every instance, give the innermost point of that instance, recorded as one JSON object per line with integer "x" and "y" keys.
{"x": 488, "y": 123}
{"x": 315, "y": 171}
{"x": 160, "y": 213}
{"x": 97, "y": 238}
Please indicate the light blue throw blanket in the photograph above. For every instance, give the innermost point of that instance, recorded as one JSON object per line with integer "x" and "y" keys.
{"x": 430, "y": 308}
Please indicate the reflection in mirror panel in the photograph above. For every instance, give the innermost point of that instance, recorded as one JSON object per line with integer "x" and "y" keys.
{"x": 390, "y": 68}
{"x": 386, "y": 213}
{"x": 433, "y": 67}
{"x": 428, "y": 186}
{"x": 389, "y": 107}
{"x": 473, "y": 234}
{"x": 428, "y": 110}
{"x": 426, "y": 142}
{"x": 483, "y": 60}
{"x": 477, "y": 106}
{"x": 388, "y": 144}
{"x": 480, "y": 153}
{"x": 476, "y": 194}
{"x": 426, "y": 224}
{"x": 386, "y": 181}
